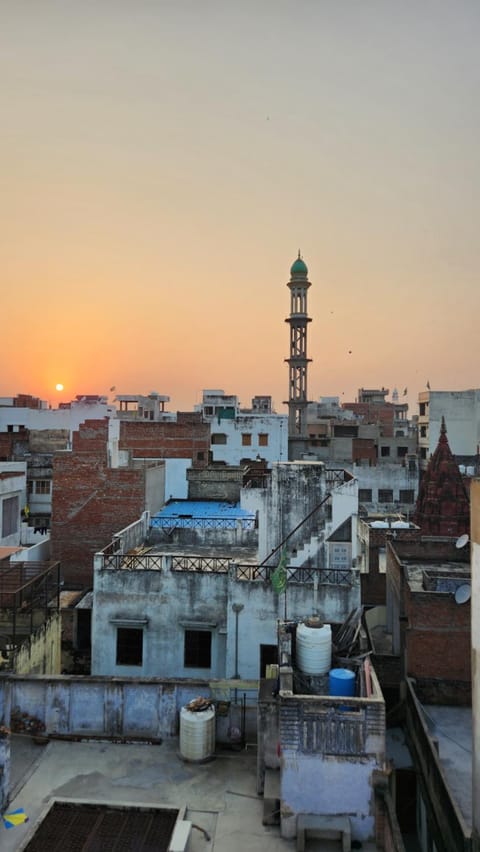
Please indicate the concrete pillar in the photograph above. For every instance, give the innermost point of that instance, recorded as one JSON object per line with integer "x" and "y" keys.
{"x": 475, "y": 624}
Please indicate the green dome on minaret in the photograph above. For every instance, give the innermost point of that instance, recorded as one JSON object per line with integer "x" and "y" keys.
{"x": 299, "y": 267}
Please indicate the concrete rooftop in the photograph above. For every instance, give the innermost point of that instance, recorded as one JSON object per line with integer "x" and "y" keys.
{"x": 452, "y": 727}
{"x": 219, "y": 796}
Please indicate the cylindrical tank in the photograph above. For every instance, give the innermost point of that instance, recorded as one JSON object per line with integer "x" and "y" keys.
{"x": 342, "y": 682}
{"x": 197, "y": 734}
{"x": 314, "y": 647}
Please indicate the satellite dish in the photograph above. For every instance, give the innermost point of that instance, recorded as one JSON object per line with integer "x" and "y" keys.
{"x": 462, "y": 541}
{"x": 463, "y": 593}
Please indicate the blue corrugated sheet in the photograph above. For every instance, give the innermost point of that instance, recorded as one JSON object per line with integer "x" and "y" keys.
{"x": 200, "y": 513}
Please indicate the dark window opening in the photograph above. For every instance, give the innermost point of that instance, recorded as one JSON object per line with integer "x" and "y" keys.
{"x": 402, "y": 452}
{"x": 384, "y": 452}
{"x": 385, "y": 495}
{"x": 268, "y": 657}
{"x": 407, "y": 496}
{"x": 365, "y": 495}
{"x": 129, "y": 646}
{"x": 218, "y": 438}
{"x": 198, "y": 649}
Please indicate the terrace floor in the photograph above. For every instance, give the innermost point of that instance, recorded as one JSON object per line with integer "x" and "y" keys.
{"x": 219, "y": 796}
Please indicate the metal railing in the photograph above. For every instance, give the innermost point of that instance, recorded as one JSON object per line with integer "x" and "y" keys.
{"x": 332, "y": 576}
{"x": 133, "y": 561}
{"x": 205, "y": 564}
{"x": 211, "y": 523}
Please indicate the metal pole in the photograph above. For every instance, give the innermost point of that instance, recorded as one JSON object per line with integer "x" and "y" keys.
{"x": 237, "y": 608}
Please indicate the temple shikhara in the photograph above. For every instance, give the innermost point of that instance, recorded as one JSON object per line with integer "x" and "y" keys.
{"x": 443, "y": 507}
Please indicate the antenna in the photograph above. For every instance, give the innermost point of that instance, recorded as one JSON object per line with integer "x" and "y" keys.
{"x": 462, "y": 541}
{"x": 463, "y": 593}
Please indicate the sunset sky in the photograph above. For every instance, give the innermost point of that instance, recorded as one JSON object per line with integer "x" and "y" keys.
{"x": 164, "y": 160}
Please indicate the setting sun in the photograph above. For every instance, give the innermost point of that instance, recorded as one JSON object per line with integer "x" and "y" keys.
{"x": 59, "y": 387}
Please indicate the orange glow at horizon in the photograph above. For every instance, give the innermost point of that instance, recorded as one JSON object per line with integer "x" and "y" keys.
{"x": 164, "y": 166}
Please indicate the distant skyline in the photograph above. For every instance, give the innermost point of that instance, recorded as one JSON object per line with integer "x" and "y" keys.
{"x": 164, "y": 161}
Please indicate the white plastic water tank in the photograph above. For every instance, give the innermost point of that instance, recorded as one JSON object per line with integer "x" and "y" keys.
{"x": 314, "y": 647}
{"x": 197, "y": 734}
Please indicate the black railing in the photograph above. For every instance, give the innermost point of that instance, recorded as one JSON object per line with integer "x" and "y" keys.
{"x": 133, "y": 561}
{"x": 333, "y": 576}
{"x": 205, "y": 564}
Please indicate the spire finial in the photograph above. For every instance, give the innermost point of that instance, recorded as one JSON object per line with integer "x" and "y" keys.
{"x": 299, "y": 255}
{"x": 443, "y": 427}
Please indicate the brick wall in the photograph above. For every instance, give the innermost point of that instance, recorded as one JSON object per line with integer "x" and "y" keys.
{"x": 438, "y": 636}
{"x": 91, "y": 501}
{"x": 373, "y": 584}
{"x": 188, "y": 438}
{"x": 6, "y": 446}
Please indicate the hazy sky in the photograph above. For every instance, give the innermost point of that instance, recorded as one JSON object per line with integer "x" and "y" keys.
{"x": 163, "y": 162}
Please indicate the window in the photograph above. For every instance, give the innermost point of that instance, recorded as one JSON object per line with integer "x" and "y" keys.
{"x": 423, "y": 431}
{"x": 384, "y": 452}
{"x": 268, "y": 657}
{"x": 218, "y": 438}
{"x": 402, "y": 452}
{"x": 423, "y": 452}
{"x": 365, "y": 495}
{"x": 385, "y": 495}
{"x": 407, "y": 495}
{"x": 129, "y": 646}
{"x": 263, "y": 440}
{"x": 246, "y": 439}
{"x": 208, "y": 410}
{"x": 340, "y": 556}
{"x": 198, "y": 649}
{"x": 200, "y": 455}
{"x": 422, "y": 408}
{"x": 42, "y": 486}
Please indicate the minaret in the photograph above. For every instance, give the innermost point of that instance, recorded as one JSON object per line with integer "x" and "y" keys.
{"x": 298, "y": 361}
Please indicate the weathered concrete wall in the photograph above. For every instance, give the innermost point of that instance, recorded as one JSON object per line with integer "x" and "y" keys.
{"x": 220, "y": 539}
{"x": 155, "y": 488}
{"x": 48, "y": 440}
{"x": 396, "y": 477}
{"x": 176, "y": 485}
{"x": 295, "y": 489}
{"x": 12, "y": 485}
{"x": 40, "y": 653}
{"x": 274, "y": 428}
{"x": 171, "y": 602}
{"x": 328, "y": 760}
{"x": 122, "y": 707}
{"x": 215, "y": 483}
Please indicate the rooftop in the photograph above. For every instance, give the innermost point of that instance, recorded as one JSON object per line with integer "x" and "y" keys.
{"x": 219, "y": 796}
{"x": 206, "y": 513}
{"x": 437, "y": 577}
{"x": 452, "y": 728}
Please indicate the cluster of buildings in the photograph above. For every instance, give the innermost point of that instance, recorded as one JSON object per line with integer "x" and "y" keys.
{"x": 308, "y": 575}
